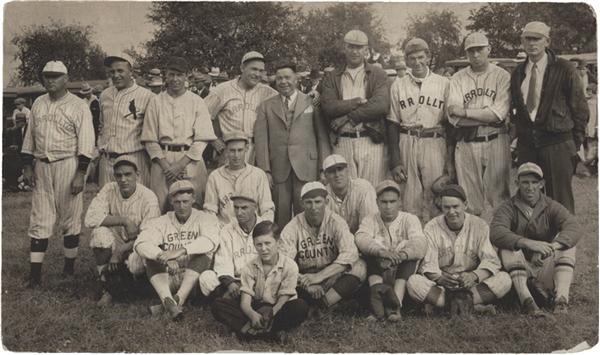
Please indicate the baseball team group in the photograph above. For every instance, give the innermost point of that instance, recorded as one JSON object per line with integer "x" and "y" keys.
{"x": 362, "y": 186}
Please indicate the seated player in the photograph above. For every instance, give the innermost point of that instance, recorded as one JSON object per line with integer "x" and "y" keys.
{"x": 235, "y": 251}
{"x": 115, "y": 216}
{"x": 177, "y": 247}
{"x": 393, "y": 244}
{"x": 536, "y": 237}
{"x": 323, "y": 247}
{"x": 459, "y": 256}
{"x": 269, "y": 304}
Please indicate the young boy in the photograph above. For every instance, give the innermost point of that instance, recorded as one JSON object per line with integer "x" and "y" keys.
{"x": 269, "y": 305}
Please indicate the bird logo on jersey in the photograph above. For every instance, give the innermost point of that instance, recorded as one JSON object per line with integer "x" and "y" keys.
{"x": 132, "y": 109}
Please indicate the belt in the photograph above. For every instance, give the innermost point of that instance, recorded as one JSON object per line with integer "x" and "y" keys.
{"x": 420, "y": 133}
{"x": 45, "y": 160}
{"x": 174, "y": 148}
{"x": 357, "y": 134}
{"x": 113, "y": 155}
{"x": 483, "y": 138}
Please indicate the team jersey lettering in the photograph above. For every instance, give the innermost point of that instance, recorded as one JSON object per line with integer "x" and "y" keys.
{"x": 245, "y": 250}
{"x": 58, "y": 120}
{"x": 428, "y": 101}
{"x": 479, "y": 92}
{"x": 182, "y": 236}
{"x": 317, "y": 247}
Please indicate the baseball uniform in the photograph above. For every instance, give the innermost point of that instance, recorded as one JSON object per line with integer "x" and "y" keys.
{"x": 417, "y": 105}
{"x": 468, "y": 250}
{"x": 235, "y": 108}
{"x": 122, "y": 119}
{"x": 483, "y": 160}
{"x": 359, "y": 202}
{"x": 175, "y": 127}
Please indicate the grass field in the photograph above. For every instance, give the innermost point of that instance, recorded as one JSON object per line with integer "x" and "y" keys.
{"x": 62, "y": 316}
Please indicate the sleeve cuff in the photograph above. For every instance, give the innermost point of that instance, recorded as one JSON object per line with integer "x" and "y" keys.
{"x": 482, "y": 274}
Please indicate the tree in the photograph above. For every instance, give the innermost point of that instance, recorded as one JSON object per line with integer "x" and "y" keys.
{"x": 573, "y": 25}
{"x": 441, "y": 31}
{"x": 71, "y": 44}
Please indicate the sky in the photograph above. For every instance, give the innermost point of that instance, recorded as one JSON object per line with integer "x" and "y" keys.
{"x": 120, "y": 25}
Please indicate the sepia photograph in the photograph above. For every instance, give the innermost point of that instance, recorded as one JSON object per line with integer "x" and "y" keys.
{"x": 309, "y": 177}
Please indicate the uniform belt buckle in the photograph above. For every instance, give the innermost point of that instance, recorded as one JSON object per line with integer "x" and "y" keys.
{"x": 357, "y": 133}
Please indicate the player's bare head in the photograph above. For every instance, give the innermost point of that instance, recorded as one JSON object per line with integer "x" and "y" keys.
{"x": 417, "y": 56}
{"x": 454, "y": 205}
{"x": 286, "y": 79}
{"x": 356, "y": 48}
{"x": 55, "y": 77}
{"x": 335, "y": 168}
{"x": 265, "y": 236}
{"x": 252, "y": 68}
{"x": 478, "y": 49}
{"x": 314, "y": 200}
{"x": 388, "y": 199}
{"x": 535, "y": 38}
{"x": 125, "y": 172}
{"x": 244, "y": 208}
{"x": 176, "y": 73}
{"x": 236, "y": 147}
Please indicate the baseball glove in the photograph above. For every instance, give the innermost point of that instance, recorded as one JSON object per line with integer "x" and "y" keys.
{"x": 460, "y": 302}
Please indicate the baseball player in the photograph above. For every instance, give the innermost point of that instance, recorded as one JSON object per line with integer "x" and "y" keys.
{"x": 393, "y": 243}
{"x": 459, "y": 256}
{"x": 416, "y": 135}
{"x": 116, "y": 216}
{"x": 60, "y": 137}
{"x": 321, "y": 243}
{"x": 175, "y": 133}
{"x": 233, "y": 104}
{"x": 351, "y": 199}
{"x": 236, "y": 175}
{"x": 478, "y": 104}
{"x": 177, "y": 247}
{"x": 123, "y": 107}
{"x": 235, "y": 251}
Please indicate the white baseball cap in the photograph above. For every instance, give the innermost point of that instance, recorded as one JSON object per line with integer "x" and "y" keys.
{"x": 252, "y": 55}
{"x": 120, "y": 57}
{"x": 530, "y": 168}
{"x": 476, "y": 39}
{"x": 181, "y": 185}
{"x": 333, "y": 160}
{"x": 312, "y": 186}
{"x": 55, "y": 66}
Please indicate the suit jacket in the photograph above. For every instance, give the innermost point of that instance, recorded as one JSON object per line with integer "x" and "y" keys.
{"x": 14, "y": 137}
{"x": 301, "y": 144}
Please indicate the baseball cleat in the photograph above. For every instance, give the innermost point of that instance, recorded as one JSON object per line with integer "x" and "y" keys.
{"x": 561, "y": 306}
{"x": 105, "y": 300}
{"x": 394, "y": 317}
{"x": 529, "y": 307}
{"x": 173, "y": 309}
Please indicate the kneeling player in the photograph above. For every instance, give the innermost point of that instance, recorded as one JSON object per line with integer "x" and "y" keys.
{"x": 393, "y": 243}
{"x": 322, "y": 245}
{"x": 459, "y": 256}
{"x": 116, "y": 215}
{"x": 178, "y": 244}
{"x": 269, "y": 304}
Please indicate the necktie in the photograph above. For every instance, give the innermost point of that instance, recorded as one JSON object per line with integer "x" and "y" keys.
{"x": 531, "y": 104}
{"x": 287, "y": 109}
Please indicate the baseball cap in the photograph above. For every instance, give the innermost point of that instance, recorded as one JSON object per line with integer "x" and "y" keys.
{"x": 530, "y": 168}
{"x": 313, "y": 189}
{"x": 453, "y": 190}
{"x": 19, "y": 100}
{"x": 124, "y": 160}
{"x": 240, "y": 195}
{"x": 252, "y": 55}
{"x": 334, "y": 160}
{"x": 180, "y": 185}
{"x": 400, "y": 66}
{"x": 154, "y": 71}
{"x": 85, "y": 89}
{"x": 178, "y": 64}
{"x": 387, "y": 185}
{"x": 391, "y": 72}
{"x": 356, "y": 37}
{"x": 235, "y": 136}
{"x": 155, "y": 81}
{"x": 536, "y": 29}
{"x": 476, "y": 39}
{"x": 415, "y": 45}
{"x": 119, "y": 57}
{"x": 55, "y": 66}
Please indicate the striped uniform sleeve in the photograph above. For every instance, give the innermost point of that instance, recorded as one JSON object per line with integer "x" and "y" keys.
{"x": 289, "y": 239}
{"x": 488, "y": 258}
{"x": 150, "y": 208}
{"x": 211, "y": 195}
{"x": 369, "y": 203}
{"x": 100, "y": 142}
{"x": 147, "y": 242}
{"x": 99, "y": 208}
{"x": 224, "y": 257}
{"x": 365, "y": 237}
{"x": 29, "y": 141}
{"x": 348, "y": 253}
{"x": 454, "y": 97}
{"x": 203, "y": 130}
{"x": 501, "y": 104}
{"x": 266, "y": 205}
{"x": 289, "y": 279}
{"x": 394, "y": 115}
{"x": 85, "y": 130}
{"x": 416, "y": 246}
{"x": 430, "y": 262}
{"x": 214, "y": 103}
{"x": 150, "y": 130}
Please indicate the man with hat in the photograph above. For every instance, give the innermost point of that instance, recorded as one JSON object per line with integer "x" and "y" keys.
{"x": 393, "y": 243}
{"x": 115, "y": 216}
{"x": 416, "y": 130}
{"x": 177, "y": 247}
{"x": 314, "y": 81}
{"x": 176, "y": 131}
{"x": 291, "y": 142}
{"x": 352, "y": 199}
{"x": 233, "y": 104}
{"x": 320, "y": 242}
{"x": 60, "y": 137}
{"x": 239, "y": 176}
{"x": 88, "y": 95}
{"x": 459, "y": 257}
{"x": 155, "y": 85}
{"x": 537, "y": 238}
{"x": 550, "y": 112}
{"x": 123, "y": 110}
{"x": 400, "y": 70}
{"x": 21, "y": 108}
{"x": 478, "y": 104}
{"x": 355, "y": 100}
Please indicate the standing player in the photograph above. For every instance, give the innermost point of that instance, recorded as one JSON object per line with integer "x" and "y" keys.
{"x": 233, "y": 104}
{"x": 176, "y": 131}
{"x": 478, "y": 103}
{"x": 123, "y": 107}
{"x": 61, "y": 139}
{"x": 416, "y": 135}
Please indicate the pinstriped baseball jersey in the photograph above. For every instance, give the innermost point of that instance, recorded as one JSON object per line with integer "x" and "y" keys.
{"x": 236, "y": 250}
{"x": 122, "y": 118}
{"x": 359, "y": 202}
{"x": 415, "y": 105}
{"x": 59, "y": 129}
{"x": 234, "y": 107}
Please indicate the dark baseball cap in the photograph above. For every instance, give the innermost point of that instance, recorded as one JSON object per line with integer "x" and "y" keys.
{"x": 178, "y": 64}
{"x": 454, "y": 190}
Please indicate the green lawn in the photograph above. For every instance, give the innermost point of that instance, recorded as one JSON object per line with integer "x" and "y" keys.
{"x": 62, "y": 316}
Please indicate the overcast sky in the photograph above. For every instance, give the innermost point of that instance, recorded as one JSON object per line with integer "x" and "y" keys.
{"x": 120, "y": 25}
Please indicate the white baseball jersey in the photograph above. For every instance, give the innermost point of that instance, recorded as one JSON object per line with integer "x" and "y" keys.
{"x": 234, "y": 107}
{"x": 414, "y": 104}
{"x": 198, "y": 235}
{"x": 122, "y": 117}
{"x": 360, "y": 201}
{"x": 250, "y": 181}
{"x": 236, "y": 250}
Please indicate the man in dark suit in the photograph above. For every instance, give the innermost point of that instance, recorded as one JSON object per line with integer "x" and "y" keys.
{"x": 291, "y": 142}
{"x": 13, "y": 142}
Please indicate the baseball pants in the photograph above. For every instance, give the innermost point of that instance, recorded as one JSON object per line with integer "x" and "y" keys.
{"x": 286, "y": 196}
{"x": 109, "y": 238}
{"x": 194, "y": 171}
{"x": 388, "y": 276}
{"x": 140, "y": 158}
{"x": 424, "y": 160}
{"x": 422, "y": 289}
{"x": 345, "y": 283}
{"x": 52, "y": 202}
{"x": 197, "y": 263}
{"x": 483, "y": 170}
{"x": 366, "y": 159}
